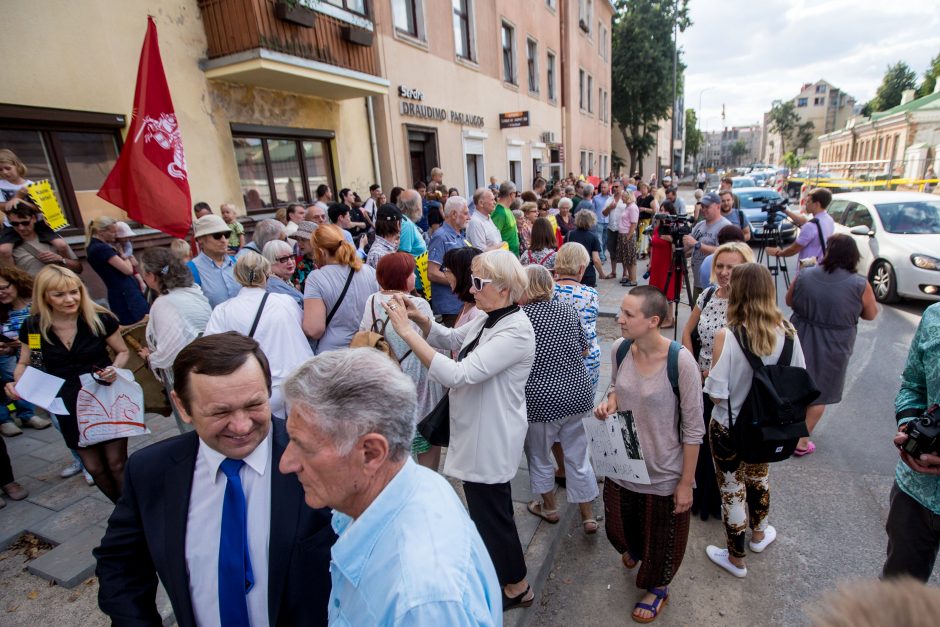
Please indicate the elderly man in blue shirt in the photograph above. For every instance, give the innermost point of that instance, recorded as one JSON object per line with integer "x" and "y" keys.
{"x": 450, "y": 235}
{"x": 408, "y": 553}
{"x": 213, "y": 267}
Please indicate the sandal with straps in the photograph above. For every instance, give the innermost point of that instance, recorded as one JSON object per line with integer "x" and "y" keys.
{"x": 662, "y": 597}
{"x": 537, "y": 508}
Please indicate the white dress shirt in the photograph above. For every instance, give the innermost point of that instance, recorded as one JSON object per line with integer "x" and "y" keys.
{"x": 204, "y": 525}
{"x": 279, "y": 333}
{"x": 482, "y": 233}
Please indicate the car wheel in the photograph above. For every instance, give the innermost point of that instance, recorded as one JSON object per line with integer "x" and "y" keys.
{"x": 884, "y": 283}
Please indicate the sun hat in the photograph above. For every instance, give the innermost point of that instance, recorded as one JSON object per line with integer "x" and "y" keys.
{"x": 209, "y": 224}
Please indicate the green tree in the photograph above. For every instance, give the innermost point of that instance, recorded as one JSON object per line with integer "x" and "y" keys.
{"x": 792, "y": 161}
{"x": 804, "y": 134}
{"x": 784, "y": 121}
{"x": 641, "y": 70}
{"x": 738, "y": 150}
{"x": 693, "y": 136}
{"x": 897, "y": 78}
{"x": 930, "y": 78}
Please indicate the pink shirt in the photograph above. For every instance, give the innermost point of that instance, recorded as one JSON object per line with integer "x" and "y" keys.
{"x": 629, "y": 218}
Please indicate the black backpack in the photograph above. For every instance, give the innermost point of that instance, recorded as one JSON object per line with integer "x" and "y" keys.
{"x": 773, "y": 417}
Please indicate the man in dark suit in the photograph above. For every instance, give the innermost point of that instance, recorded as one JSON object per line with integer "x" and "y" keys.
{"x": 209, "y": 513}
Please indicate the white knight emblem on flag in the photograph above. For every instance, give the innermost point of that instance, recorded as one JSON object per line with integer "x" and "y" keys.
{"x": 166, "y": 133}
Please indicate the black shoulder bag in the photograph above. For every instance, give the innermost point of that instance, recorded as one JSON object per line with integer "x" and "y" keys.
{"x": 339, "y": 301}
{"x": 254, "y": 324}
{"x": 696, "y": 336}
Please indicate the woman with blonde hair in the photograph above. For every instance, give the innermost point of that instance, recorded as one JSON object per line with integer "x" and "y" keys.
{"x": 74, "y": 335}
{"x": 487, "y": 402}
{"x": 708, "y": 317}
{"x": 273, "y": 320}
{"x": 116, "y": 271}
{"x": 335, "y": 293}
{"x": 744, "y": 487}
{"x": 626, "y": 238}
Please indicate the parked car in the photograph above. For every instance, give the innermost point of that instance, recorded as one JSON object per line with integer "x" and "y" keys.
{"x": 742, "y": 181}
{"x": 898, "y": 236}
{"x": 834, "y": 185}
{"x": 753, "y": 202}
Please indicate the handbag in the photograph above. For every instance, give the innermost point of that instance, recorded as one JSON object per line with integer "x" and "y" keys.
{"x": 695, "y": 335}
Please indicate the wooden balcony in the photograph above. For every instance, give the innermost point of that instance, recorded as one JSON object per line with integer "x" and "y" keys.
{"x": 249, "y": 44}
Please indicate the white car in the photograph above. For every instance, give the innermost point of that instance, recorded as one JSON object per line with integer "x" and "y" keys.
{"x": 898, "y": 236}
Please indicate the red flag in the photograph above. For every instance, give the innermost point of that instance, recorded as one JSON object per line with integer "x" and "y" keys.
{"x": 149, "y": 180}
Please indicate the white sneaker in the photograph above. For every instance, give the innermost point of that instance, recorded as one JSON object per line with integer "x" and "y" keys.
{"x": 10, "y": 429}
{"x": 88, "y": 478}
{"x": 71, "y": 470}
{"x": 720, "y": 557}
{"x": 770, "y": 534}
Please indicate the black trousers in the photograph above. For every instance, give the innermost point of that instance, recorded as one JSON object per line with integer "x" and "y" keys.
{"x": 6, "y": 469}
{"x": 913, "y": 537}
{"x": 490, "y": 506}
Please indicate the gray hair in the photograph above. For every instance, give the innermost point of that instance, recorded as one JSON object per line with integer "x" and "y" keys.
{"x": 587, "y": 188}
{"x": 328, "y": 390}
{"x": 276, "y": 248}
{"x": 252, "y": 270}
{"x": 506, "y": 188}
{"x": 585, "y": 219}
{"x": 565, "y": 201}
{"x": 266, "y": 231}
{"x": 541, "y": 285}
{"x": 410, "y": 204}
{"x": 454, "y": 203}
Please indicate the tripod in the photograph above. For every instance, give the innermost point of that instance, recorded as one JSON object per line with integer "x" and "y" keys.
{"x": 679, "y": 269}
{"x": 778, "y": 265}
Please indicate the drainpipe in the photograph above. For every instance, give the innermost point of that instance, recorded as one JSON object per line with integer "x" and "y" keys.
{"x": 563, "y": 82}
{"x": 370, "y": 112}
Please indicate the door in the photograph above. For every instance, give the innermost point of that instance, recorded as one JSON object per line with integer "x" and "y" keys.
{"x": 422, "y": 152}
{"x": 859, "y": 215}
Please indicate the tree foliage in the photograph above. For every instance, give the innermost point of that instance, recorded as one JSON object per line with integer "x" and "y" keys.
{"x": 641, "y": 69}
{"x": 792, "y": 161}
{"x": 930, "y": 77}
{"x": 785, "y": 121}
{"x": 693, "y": 136}
{"x": 897, "y": 78}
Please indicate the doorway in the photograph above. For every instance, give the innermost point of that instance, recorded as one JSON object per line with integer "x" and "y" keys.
{"x": 422, "y": 152}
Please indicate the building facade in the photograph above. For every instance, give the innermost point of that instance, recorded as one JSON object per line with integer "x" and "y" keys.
{"x": 900, "y": 142}
{"x": 826, "y": 106}
{"x": 497, "y": 88}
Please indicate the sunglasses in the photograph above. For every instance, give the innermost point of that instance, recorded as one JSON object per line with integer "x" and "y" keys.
{"x": 15, "y": 223}
{"x": 478, "y": 283}
{"x": 219, "y": 235}
{"x": 284, "y": 259}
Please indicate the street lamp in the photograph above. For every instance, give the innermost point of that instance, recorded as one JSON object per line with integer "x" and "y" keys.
{"x": 700, "y": 97}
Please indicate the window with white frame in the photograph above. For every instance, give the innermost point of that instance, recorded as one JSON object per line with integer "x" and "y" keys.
{"x": 585, "y": 162}
{"x": 582, "y": 81}
{"x": 604, "y": 165}
{"x": 514, "y": 157}
{"x": 356, "y": 6}
{"x": 602, "y": 40}
{"x": 509, "y": 53}
{"x": 550, "y": 76}
{"x": 532, "y": 63}
{"x": 463, "y": 29}
{"x": 590, "y": 93}
{"x": 552, "y": 4}
{"x": 408, "y": 18}
{"x": 585, "y": 15}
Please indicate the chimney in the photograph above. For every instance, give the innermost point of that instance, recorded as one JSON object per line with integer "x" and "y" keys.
{"x": 906, "y": 96}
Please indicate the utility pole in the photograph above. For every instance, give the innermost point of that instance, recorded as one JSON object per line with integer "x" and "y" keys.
{"x": 675, "y": 63}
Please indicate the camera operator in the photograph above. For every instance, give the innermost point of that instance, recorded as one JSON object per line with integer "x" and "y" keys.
{"x": 704, "y": 237}
{"x": 914, "y": 516}
{"x": 810, "y": 244}
{"x": 733, "y": 215}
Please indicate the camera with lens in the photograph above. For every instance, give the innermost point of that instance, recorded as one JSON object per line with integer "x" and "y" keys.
{"x": 674, "y": 226}
{"x": 923, "y": 434}
{"x": 773, "y": 207}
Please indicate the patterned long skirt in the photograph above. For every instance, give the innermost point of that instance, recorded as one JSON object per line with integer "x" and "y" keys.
{"x": 645, "y": 526}
{"x": 626, "y": 248}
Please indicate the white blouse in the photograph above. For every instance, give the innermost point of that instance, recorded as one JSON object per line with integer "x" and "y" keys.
{"x": 488, "y": 420}
{"x": 176, "y": 319}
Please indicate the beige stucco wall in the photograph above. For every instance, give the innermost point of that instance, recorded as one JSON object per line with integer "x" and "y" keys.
{"x": 83, "y": 55}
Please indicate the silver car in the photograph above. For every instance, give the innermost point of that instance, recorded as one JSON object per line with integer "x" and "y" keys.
{"x": 898, "y": 237}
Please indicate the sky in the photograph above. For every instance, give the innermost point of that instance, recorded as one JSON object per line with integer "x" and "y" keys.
{"x": 746, "y": 54}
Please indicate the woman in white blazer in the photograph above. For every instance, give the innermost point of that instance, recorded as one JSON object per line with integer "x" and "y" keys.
{"x": 488, "y": 420}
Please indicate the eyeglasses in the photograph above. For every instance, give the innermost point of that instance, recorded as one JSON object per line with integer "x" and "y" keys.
{"x": 478, "y": 283}
{"x": 5, "y": 287}
{"x": 219, "y": 235}
{"x": 284, "y": 259}
{"x": 15, "y": 223}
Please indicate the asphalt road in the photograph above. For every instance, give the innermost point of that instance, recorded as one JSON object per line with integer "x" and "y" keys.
{"x": 828, "y": 508}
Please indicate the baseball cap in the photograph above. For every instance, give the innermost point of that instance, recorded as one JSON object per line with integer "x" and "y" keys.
{"x": 711, "y": 198}
{"x": 209, "y": 224}
{"x": 305, "y": 230}
{"x": 123, "y": 230}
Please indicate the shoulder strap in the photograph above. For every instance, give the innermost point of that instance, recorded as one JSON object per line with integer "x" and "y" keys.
{"x": 339, "y": 301}
{"x": 622, "y": 351}
{"x": 708, "y": 296}
{"x": 786, "y": 355}
{"x": 822, "y": 240}
{"x": 192, "y": 268}
{"x": 741, "y": 335}
{"x": 254, "y": 325}
{"x": 547, "y": 257}
{"x": 672, "y": 366}
{"x": 741, "y": 219}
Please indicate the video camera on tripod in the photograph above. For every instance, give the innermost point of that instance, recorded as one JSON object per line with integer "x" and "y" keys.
{"x": 675, "y": 227}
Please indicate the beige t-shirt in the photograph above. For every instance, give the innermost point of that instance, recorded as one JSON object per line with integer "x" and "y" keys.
{"x": 655, "y": 410}
{"x": 28, "y": 262}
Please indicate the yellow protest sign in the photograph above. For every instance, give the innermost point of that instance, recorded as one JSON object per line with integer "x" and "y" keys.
{"x": 41, "y": 193}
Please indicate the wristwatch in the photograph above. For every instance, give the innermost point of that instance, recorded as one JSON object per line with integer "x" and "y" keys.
{"x": 61, "y": 262}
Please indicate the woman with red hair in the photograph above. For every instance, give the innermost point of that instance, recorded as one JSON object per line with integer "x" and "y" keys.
{"x": 396, "y": 275}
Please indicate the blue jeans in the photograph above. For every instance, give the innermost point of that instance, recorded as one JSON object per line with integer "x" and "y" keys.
{"x": 24, "y": 410}
{"x": 600, "y": 230}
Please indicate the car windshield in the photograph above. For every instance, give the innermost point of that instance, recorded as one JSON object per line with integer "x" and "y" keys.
{"x": 919, "y": 217}
{"x": 756, "y": 200}
{"x": 742, "y": 182}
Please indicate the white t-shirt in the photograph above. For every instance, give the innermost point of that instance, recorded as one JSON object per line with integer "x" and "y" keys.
{"x": 730, "y": 377}
{"x": 8, "y": 191}
{"x": 482, "y": 233}
{"x": 614, "y": 216}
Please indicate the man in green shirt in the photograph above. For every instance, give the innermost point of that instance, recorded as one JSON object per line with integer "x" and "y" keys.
{"x": 503, "y": 219}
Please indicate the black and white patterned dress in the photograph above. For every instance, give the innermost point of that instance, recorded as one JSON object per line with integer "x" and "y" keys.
{"x": 712, "y": 319}
{"x": 558, "y": 385}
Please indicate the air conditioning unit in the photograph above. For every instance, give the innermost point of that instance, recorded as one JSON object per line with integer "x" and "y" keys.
{"x": 548, "y": 137}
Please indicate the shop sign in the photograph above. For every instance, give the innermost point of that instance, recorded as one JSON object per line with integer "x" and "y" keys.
{"x": 513, "y": 119}
{"x": 428, "y": 112}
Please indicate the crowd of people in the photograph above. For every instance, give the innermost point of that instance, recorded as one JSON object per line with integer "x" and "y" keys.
{"x": 480, "y": 309}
